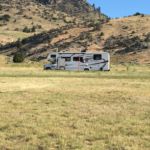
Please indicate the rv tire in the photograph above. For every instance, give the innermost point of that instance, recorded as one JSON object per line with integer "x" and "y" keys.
{"x": 48, "y": 68}
{"x": 86, "y": 69}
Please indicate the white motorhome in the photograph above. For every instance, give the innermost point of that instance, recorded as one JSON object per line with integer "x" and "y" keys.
{"x": 78, "y": 61}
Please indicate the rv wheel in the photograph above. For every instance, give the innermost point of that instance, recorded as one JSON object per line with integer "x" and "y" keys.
{"x": 47, "y": 68}
{"x": 62, "y": 68}
{"x": 86, "y": 69}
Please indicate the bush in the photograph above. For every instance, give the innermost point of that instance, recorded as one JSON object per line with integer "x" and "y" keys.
{"x": 142, "y": 15}
{"x": 97, "y": 26}
{"x": 138, "y": 14}
{"x": 26, "y": 29}
{"x": 33, "y": 29}
{"x": 29, "y": 30}
{"x": 18, "y": 57}
{"x": 102, "y": 34}
{"x": 4, "y": 17}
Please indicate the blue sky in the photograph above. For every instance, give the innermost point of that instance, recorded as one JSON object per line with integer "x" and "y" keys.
{"x": 120, "y": 8}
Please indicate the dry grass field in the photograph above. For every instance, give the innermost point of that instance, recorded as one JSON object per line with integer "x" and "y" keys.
{"x": 48, "y": 110}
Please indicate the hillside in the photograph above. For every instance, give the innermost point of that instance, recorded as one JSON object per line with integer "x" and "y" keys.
{"x": 128, "y": 37}
{"x": 22, "y": 18}
{"x": 48, "y": 25}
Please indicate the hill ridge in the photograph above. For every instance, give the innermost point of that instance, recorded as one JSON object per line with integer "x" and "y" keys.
{"x": 91, "y": 30}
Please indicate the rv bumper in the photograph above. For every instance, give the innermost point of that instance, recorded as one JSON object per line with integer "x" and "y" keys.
{"x": 47, "y": 67}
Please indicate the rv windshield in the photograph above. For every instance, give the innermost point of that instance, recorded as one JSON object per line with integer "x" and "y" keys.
{"x": 53, "y": 59}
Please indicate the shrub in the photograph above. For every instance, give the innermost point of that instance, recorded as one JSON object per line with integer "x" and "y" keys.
{"x": 26, "y": 29}
{"x": 18, "y": 57}
{"x": 142, "y": 15}
{"x": 5, "y": 17}
{"x": 138, "y": 14}
{"x": 97, "y": 26}
{"x": 33, "y": 29}
{"x": 102, "y": 34}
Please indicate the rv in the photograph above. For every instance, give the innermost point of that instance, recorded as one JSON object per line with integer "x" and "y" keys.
{"x": 78, "y": 61}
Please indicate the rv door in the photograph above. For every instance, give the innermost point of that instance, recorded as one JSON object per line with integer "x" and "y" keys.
{"x": 78, "y": 63}
{"x": 61, "y": 63}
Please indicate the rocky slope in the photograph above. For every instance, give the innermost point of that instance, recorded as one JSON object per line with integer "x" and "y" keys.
{"x": 49, "y": 25}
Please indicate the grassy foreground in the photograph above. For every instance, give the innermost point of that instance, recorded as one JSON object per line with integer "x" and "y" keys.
{"x": 42, "y": 110}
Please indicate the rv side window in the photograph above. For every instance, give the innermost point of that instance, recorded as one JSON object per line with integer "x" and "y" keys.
{"x": 66, "y": 58}
{"x": 78, "y": 59}
{"x": 97, "y": 56}
{"x": 53, "y": 56}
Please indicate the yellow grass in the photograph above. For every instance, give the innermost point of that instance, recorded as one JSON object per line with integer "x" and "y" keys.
{"x": 74, "y": 110}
